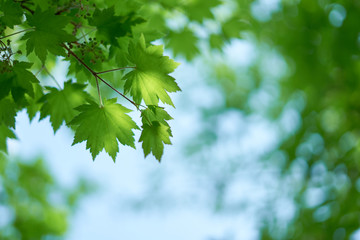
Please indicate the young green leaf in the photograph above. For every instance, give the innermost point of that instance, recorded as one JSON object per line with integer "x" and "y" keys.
{"x": 150, "y": 80}
{"x": 48, "y": 34}
{"x": 101, "y": 127}
{"x": 154, "y": 137}
{"x": 60, "y": 104}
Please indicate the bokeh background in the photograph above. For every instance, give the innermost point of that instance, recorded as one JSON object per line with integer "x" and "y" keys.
{"x": 266, "y": 137}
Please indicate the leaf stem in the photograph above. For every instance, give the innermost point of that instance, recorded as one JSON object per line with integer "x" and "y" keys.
{"x": 142, "y": 114}
{"x": 97, "y": 76}
{"x": 17, "y": 32}
{"x": 52, "y": 77}
{"x": 98, "y": 89}
{"x": 113, "y": 70}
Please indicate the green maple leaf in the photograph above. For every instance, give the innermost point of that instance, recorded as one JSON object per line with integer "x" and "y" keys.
{"x": 34, "y": 105}
{"x": 155, "y": 113}
{"x": 60, "y": 104}
{"x": 5, "y": 133}
{"x": 234, "y": 26}
{"x": 183, "y": 43}
{"x": 198, "y": 10}
{"x": 17, "y": 80}
{"x": 216, "y": 41}
{"x": 109, "y": 27}
{"x": 48, "y": 34}
{"x": 150, "y": 80}
{"x": 12, "y": 13}
{"x": 101, "y": 127}
{"x": 154, "y": 137}
{"x": 7, "y": 112}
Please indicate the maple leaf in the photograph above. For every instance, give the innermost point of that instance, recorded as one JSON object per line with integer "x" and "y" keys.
{"x": 156, "y": 131}
{"x": 154, "y": 137}
{"x": 101, "y": 127}
{"x": 150, "y": 80}
{"x": 7, "y": 112}
{"x": 12, "y": 13}
{"x": 17, "y": 80}
{"x": 109, "y": 27}
{"x": 48, "y": 34}
{"x": 155, "y": 113}
{"x": 216, "y": 41}
{"x": 5, "y": 133}
{"x": 184, "y": 43}
{"x": 198, "y": 10}
{"x": 34, "y": 105}
{"x": 60, "y": 104}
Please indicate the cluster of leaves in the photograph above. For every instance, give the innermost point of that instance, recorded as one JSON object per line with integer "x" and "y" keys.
{"x": 106, "y": 43}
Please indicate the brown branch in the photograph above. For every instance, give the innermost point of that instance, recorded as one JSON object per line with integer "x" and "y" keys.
{"x": 97, "y": 76}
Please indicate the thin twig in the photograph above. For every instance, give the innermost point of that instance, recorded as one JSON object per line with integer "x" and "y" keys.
{"x": 17, "y": 32}
{"x": 116, "y": 69}
{"x": 97, "y": 76}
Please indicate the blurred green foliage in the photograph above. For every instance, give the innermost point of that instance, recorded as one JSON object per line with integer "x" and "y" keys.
{"x": 317, "y": 93}
{"x": 32, "y": 204}
{"x": 303, "y": 78}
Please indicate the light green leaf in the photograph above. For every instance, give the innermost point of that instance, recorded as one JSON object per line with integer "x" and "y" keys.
{"x": 60, "y": 104}
{"x": 150, "y": 80}
{"x": 101, "y": 127}
{"x": 154, "y": 137}
{"x": 155, "y": 113}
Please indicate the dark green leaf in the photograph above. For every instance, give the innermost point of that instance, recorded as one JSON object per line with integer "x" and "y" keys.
{"x": 48, "y": 34}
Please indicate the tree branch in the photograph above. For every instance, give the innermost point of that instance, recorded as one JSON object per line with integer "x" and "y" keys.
{"x": 97, "y": 76}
